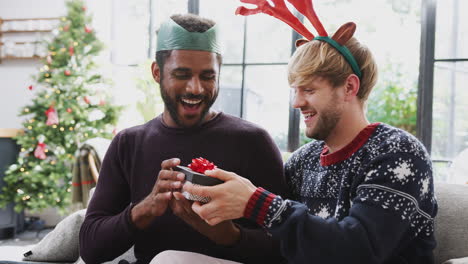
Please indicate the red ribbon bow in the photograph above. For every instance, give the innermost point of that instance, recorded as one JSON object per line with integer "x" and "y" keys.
{"x": 201, "y": 165}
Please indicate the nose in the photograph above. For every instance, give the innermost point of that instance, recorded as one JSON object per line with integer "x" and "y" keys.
{"x": 298, "y": 100}
{"x": 194, "y": 86}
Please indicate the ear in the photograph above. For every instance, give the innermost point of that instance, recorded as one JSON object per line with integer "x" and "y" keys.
{"x": 301, "y": 42}
{"x": 352, "y": 85}
{"x": 344, "y": 33}
{"x": 156, "y": 72}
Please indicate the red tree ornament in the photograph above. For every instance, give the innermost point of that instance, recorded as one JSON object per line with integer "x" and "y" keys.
{"x": 40, "y": 151}
{"x": 86, "y": 99}
{"x": 201, "y": 165}
{"x": 88, "y": 29}
{"x": 52, "y": 116}
{"x": 69, "y": 110}
{"x": 67, "y": 72}
{"x": 66, "y": 28}
{"x": 83, "y": 8}
{"x": 30, "y": 87}
{"x": 71, "y": 50}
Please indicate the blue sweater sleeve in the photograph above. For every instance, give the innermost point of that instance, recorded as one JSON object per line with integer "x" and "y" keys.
{"x": 393, "y": 204}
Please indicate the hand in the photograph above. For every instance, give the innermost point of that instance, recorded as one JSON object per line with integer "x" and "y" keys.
{"x": 224, "y": 233}
{"x": 228, "y": 200}
{"x": 156, "y": 203}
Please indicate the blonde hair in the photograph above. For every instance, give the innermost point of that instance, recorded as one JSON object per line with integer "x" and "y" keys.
{"x": 319, "y": 59}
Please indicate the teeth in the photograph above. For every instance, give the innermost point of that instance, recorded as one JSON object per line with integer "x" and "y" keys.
{"x": 308, "y": 115}
{"x": 192, "y": 102}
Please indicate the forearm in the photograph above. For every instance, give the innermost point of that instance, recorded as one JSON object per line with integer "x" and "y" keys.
{"x": 141, "y": 216}
{"x": 228, "y": 236}
{"x": 358, "y": 238}
{"x": 104, "y": 238}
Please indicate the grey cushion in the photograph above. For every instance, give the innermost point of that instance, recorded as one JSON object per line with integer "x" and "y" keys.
{"x": 451, "y": 223}
{"x": 61, "y": 244}
{"x": 128, "y": 256}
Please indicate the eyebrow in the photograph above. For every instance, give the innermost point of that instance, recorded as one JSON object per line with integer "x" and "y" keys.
{"x": 304, "y": 87}
{"x": 188, "y": 70}
{"x": 208, "y": 71}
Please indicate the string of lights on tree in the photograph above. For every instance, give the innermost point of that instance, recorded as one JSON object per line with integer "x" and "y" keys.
{"x": 69, "y": 106}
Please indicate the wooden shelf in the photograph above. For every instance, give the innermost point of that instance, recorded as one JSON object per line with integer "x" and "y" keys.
{"x": 6, "y": 32}
{"x": 10, "y": 132}
{"x": 25, "y": 31}
{"x": 20, "y": 43}
{"x": 20, "y": 58}
{"x": 26, "y": 19}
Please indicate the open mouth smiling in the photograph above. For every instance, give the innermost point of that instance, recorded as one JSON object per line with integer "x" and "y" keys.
{"x": 308, "y": 116}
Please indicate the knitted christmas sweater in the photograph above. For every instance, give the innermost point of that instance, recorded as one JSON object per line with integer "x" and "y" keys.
{"x": 370, "y": 202}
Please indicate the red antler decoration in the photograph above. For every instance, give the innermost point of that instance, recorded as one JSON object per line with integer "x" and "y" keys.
{"x": 306, "y": 8}
{"x": 281, "y": 11}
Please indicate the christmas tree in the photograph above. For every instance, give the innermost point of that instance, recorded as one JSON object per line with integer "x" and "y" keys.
{"x": 69, "y": 106}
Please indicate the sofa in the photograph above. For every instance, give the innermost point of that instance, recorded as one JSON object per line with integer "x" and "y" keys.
{"x": 451, "y": 223}
{"x": 451, "y": 230}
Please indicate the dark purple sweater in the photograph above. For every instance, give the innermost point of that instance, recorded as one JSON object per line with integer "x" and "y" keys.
{"x": 129, "y": 172}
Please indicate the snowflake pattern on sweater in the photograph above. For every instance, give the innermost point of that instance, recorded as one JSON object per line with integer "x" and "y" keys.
{"x": 391, "y": 170}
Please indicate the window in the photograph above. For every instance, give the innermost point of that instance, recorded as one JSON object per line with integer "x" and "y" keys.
{"x": 254, "y": 72}
{"x": 133, "y": 46}
{"x": 130, "y": 38}
{"x": 447, "y": 61}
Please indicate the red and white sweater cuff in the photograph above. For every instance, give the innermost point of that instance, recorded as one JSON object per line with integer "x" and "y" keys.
{"x": 258, "y": 205}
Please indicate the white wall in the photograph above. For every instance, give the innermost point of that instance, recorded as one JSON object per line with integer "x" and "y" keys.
{"x": 15, "y": 75}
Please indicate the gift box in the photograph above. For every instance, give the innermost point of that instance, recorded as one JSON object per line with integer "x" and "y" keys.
{"x": 197, "y": 178}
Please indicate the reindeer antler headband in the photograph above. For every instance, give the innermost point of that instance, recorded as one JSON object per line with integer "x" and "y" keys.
{"x": 305, "y": 7}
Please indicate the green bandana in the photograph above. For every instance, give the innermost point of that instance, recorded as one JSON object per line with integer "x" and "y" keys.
{"x": 345, "y": 52}
{"x": 172, "y": 36}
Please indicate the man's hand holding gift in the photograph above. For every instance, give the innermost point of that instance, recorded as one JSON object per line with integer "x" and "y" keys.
{"x": 223, "y": 233}
{"x": 228, "y": 200}
{"x": 156, "y": 203}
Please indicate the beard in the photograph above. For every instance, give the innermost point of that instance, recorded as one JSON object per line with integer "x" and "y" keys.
{"x": 171, "y": 105}
{"x": 326, "y": 123}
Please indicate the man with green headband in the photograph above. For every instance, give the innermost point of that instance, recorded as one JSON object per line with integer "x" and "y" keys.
{"x": 134, "y": 205}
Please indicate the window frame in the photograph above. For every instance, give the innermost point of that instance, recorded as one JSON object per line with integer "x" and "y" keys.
{"x": 294, "y": 114}
{"x": 426, "y": 74}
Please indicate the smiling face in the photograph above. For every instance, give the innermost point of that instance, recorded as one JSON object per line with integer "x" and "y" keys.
{"x": 320, "y": 105}
{"x": 189, "y": 86}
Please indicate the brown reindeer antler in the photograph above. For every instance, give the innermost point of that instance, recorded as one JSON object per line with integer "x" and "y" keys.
{"x": 280, "y": 11}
